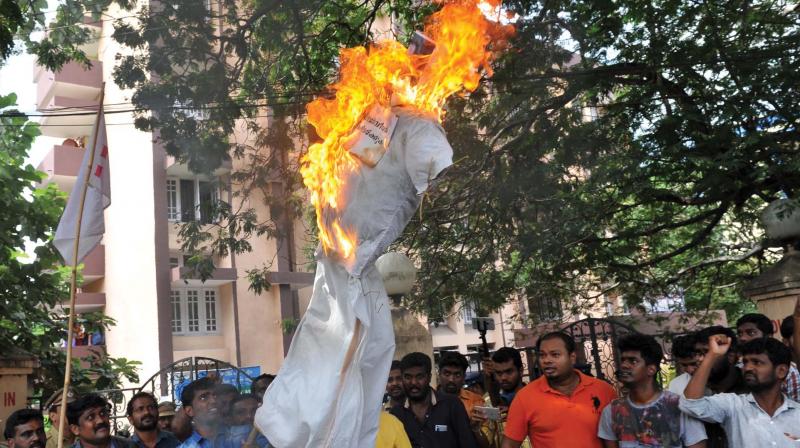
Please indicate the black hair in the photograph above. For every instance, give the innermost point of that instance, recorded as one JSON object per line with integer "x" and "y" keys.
{"x": 264, "y": 376}
{"x": 761, "y": 321}
{"x": 647, "y": 346}
{"x": 683, "y": 346}
{"x": 777, "y": 352}
{"x": 705, "y": 333}
{"x": 567, "y": 339}
{"x": 506, "y": 354}
{"x": 242, "y": 397}
{"x": 188, "y": 393}
{"x": 395, "y": 365}
{"x": 137, "y": 396}
{"x": 224, "y": 389}
{"x": 453, "y": 359}
{"x": 416, "y": 359}
{"x": 20, "y": 417}
{"x": 787, "y": 327}
{"x": 88, "y": 401}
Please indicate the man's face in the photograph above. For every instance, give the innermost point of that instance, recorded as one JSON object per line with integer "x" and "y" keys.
{"x": 394, "y": 387}
{"x": 720, "y": 368}
{"x": 204, "y": 407}
{"x": 224, "y": 403}
{"x": 145, "y": 414}
{"x": 507, "y": 375}
{"x": 688, "y": 365}
{"x": 416, "y": 382}
{"x": 28, "y": 435}
{"x": 260, "y": 387}
{"x": 165, "y": 422}
{"x": 554, "y": 359}
{"x": 54, "y": 416}
{"x": 759, "y": 372}
{"x": 93, "y": 426}
{"x": 451, "y": 379}
{"x": 243, "y": 412}
{"x": 633, "y": 370}
{"x": 748, "y": 331}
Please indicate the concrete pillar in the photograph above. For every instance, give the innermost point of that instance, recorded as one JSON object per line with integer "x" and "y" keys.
{"x": 776, "y": 289}
{"x": 15, "y": 368}
{"x": 409, "y": 334}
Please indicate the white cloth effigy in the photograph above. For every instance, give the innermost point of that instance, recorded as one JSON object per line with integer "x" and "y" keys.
{"x": 315, "y": 401}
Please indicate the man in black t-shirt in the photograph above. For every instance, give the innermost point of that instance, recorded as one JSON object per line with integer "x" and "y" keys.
{"x": 431, "y": 420}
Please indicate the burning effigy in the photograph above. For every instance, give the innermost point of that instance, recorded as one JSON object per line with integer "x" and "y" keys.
{"x": 382, "y": 147}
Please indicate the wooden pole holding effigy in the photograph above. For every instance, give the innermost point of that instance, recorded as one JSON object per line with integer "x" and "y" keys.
{"x": 62, "y": 410}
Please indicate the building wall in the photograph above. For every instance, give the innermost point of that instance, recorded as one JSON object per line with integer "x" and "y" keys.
{"x": 140, "y": 240}
{"x": 457, "y": 334}
{"x": 130, "y": 279}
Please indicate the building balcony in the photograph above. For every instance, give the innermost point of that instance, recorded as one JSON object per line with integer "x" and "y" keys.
{"x": 83, "y": 351}
{"x": 297, "y": 280}
{"x": 74, "y": 81}
{"x": 88, "y": 301}
{"x": 183, "y": 276}
{"x": 176, "y": 168}
{"x": 75, "y": 87}
{"x": 61, "y": 166}
{"x": 94, "y": 265}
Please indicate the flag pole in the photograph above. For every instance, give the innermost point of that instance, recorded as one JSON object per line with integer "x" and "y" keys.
{"x": 62, "y": 410}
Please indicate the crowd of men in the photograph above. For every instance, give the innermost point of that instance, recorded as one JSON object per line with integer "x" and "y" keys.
{"x": 733, "y": 389}
{"x": 212, "y": 415}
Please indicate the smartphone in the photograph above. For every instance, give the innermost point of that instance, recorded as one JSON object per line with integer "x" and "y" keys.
{"x": 490, "y": 413}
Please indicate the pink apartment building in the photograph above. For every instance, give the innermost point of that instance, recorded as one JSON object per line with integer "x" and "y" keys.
{"x": 136, "y": 275}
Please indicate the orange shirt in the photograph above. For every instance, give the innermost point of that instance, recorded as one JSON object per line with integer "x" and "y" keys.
{"x": 554, "y": 420}
{"x": 470, "y": 400}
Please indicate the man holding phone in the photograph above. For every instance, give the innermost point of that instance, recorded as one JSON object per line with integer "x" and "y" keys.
{"x": 506, "y": 367}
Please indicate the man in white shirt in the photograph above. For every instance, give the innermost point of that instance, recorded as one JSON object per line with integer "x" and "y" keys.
{"x": 686, "y": 360}
{"x": 764, "y": 417}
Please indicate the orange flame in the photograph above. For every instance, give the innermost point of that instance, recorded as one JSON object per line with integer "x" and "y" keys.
{"x": 462, "y": 34}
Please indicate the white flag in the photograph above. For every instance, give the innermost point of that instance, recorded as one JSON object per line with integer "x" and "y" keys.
{"x": 98, "y": 197}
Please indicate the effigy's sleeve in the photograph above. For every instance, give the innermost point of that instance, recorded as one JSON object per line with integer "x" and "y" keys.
{"x": 427, "y": 153}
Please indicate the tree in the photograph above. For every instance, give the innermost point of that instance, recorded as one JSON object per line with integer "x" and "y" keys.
{"x": 30, "y": 289}
{"x": 54, "y": 42}
{"x": 621, "y": 147}
{"x": 659, "y": 194}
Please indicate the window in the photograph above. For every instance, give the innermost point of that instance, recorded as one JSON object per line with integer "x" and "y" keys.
{"x": 191, "y": 200}
{"x": 211, "y": 309}
{"x": 175, "y": 299}
{"x": 172, "y": 199}
{"x": 545, "y": 309}
{"x": 468, "y": 313}
{"x": 194, "y": 310}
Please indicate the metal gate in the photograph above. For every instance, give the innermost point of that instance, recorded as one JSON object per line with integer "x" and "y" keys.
{"x": 595, "y": 345}
{"x": 170, "y": 381}
{"x": 167, "y": 384}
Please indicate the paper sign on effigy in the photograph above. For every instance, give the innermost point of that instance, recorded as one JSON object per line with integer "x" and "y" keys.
{"x": 371, "y": 137}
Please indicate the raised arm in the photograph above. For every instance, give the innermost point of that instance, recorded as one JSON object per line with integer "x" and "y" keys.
{"x": 718, "y": 346}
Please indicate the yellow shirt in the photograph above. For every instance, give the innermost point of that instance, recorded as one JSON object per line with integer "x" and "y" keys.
{"x": 391, "y": 433}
